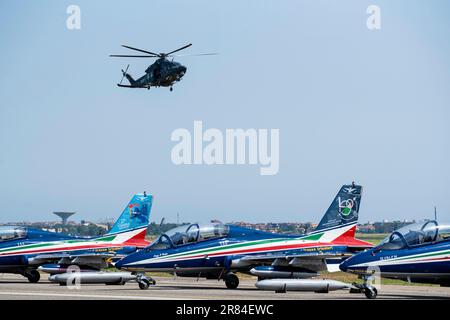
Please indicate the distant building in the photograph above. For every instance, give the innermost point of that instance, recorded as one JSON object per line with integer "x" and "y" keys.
{"x": 282, "y": 227}
{"x": 366, "y": 228}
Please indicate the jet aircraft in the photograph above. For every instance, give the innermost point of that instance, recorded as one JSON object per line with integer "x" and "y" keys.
{"x": 218, "y": 251}
{"x": 24, "y": 250}
{"x": 416, "y": 253}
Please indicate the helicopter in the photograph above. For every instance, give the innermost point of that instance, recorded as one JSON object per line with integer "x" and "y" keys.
{"x": 162, "y": 73}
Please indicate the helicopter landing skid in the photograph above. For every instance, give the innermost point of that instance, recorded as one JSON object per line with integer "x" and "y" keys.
{"x": 126, "y": 86}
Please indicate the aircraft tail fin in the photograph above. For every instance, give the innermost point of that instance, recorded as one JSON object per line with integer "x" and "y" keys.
{"x": 338, "y": 225}
{"x": 134, "y": 218}
{"x": 128, "y": 76}
{"x": 344, "y": 208}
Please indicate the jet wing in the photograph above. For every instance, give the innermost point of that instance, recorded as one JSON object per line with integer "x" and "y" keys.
{"x": 306, "y": 256}
{"x": 310, "y": 261}
{"x": 98, "y": 260}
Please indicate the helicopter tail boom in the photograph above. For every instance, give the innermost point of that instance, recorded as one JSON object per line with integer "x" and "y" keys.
{"x": 129, "y": 78}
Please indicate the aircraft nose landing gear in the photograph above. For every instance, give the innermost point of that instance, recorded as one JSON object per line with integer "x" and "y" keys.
{"x": 144, "y": 282}
{"x": 369, "y": 291}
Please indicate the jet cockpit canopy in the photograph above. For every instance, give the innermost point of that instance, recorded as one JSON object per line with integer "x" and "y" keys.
{"x": 188, "y": 234}
{"x": 416, "y": 234}
{"x": 12, "y": 233}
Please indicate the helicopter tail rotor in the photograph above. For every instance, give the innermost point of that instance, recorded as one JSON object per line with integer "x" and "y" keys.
{"x": 129, "y": 78}
{"x": 124, "y": 73}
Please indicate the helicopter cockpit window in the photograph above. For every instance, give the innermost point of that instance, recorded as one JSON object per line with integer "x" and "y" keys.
{"x": 12, "y": 233}
{"x": 416, "y": 234}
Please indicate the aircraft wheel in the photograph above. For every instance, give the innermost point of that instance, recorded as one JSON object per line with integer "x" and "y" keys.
{"x": 371, "y": 293}
{"x": 144, "y": 284}
{"x": 171, "y": 89}
{"x": 231, "y": 281}
{"x": 33, "y": 276}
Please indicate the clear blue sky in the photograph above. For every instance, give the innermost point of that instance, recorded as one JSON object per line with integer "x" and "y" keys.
{"x": 351, "y": 104}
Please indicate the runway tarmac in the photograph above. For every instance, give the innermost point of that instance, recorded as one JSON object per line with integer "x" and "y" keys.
{"x": 14, "y": 287}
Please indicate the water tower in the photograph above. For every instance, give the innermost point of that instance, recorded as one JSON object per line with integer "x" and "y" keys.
{"x": 64, "y": 215}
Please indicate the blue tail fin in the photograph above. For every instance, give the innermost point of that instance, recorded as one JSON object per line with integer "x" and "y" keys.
{"x": 135, "y": 215}
{"x": 344, "y": 208}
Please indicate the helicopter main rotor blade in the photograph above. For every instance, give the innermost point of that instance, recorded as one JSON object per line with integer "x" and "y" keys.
{"x": 182, "y": 48}
{"x": 140, "y": 50}
{"x": 192, "y": 55}
{"x": 130, "y": 56}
